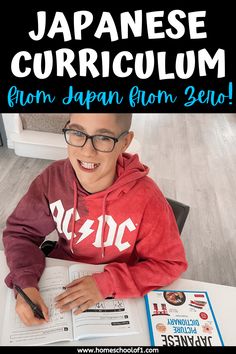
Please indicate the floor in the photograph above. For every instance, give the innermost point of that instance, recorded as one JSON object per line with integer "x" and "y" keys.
{"x": 192, "y": 157}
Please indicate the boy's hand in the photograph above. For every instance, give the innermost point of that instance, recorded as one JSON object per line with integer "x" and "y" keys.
{"x": 81, "y": 294}
{"x": 25, "y": 312}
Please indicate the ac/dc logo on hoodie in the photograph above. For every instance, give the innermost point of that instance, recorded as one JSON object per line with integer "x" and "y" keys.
{"x": 63, "y": 219}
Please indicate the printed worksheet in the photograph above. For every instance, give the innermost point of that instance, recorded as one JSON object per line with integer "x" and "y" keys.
{"x": 58, "y": 328}
{"x": 110, "y": 317}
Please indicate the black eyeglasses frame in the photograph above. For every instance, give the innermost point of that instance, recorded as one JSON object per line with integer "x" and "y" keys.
{"x": 115, "y": 139}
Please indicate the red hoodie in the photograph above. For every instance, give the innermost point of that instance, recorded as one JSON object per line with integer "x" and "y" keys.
{"x": 128, "y": 226}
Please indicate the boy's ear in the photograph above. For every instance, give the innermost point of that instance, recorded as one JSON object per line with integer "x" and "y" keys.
{"x": 127, "y": 140}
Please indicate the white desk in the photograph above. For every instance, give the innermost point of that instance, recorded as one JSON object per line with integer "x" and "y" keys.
{"x": 223, "y": 299}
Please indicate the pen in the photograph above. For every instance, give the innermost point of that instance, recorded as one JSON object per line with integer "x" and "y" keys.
{"x": 36, "y": 310}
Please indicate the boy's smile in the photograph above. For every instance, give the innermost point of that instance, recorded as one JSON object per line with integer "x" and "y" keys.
{"x": 96, "y": 170}
{"x": 88, "y": 166}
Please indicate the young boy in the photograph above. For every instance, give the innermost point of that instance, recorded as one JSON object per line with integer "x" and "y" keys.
{"x": 105, "y": 209}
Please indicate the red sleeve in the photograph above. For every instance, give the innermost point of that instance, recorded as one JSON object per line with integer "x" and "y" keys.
{"x": 25, "y": 230}
{"x": 160, "y": 252}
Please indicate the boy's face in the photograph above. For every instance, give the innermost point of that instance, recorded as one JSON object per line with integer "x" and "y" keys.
{"x": 94, "y": 169}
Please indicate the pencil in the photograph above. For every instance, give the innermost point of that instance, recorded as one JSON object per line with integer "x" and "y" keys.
{"x": 36, "y": 310}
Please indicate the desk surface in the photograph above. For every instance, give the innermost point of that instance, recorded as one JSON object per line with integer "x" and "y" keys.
{"x": 222, "y": 298}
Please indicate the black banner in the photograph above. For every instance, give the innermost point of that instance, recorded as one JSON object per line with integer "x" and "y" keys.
{"x": 118, "y": 349}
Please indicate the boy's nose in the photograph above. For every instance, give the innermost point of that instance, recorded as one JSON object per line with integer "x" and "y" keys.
{"x": 88, "y": 148}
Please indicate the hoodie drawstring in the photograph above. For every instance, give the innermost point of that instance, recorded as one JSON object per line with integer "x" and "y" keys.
{"x": 73, "y": 217}
{"x": 103, "y": 224}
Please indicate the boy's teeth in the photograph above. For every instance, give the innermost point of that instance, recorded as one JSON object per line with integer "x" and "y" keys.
{"x": 88, "y": 165}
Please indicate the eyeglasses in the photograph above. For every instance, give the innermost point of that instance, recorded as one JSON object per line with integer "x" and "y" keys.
{"x": 102, "y": 143}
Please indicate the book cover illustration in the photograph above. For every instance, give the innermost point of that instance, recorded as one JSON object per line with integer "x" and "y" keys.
{"x": 181, "y": 318}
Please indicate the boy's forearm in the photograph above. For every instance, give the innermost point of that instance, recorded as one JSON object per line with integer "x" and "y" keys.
{"x": 25, "y": 261}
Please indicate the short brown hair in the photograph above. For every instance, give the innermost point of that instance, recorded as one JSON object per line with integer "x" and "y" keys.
{"x": 124, "y": 120}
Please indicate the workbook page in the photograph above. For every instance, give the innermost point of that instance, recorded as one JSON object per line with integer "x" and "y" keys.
{"x": 59, "y": 327}
{"x": 110, "y": 317}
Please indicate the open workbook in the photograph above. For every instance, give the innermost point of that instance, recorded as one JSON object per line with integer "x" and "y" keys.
{"x": 182, "y": 318}
{"x": 110, "y": 317}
